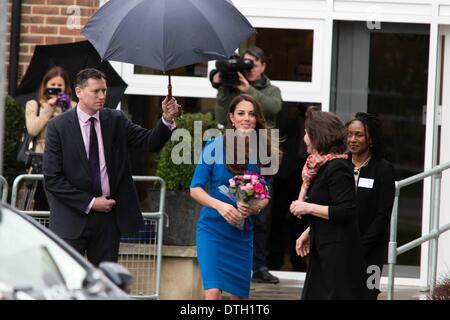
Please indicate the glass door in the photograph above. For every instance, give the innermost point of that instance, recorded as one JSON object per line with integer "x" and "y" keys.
{"x": 385, "y": 72}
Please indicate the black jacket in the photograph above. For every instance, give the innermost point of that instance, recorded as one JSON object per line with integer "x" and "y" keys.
{"x": 66, "y": 170}
{"x": 374, "y": 208}
{"x": 336, "y": 268}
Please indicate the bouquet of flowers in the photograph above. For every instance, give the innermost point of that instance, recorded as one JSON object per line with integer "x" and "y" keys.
{"x": 249, "y": 188}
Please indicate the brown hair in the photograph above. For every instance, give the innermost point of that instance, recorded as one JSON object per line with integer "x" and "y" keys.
{"x": 256, "y": 52}
{"x": 261, "y": 123}
{"x": 372, "y": 132}
{"x": 326, "y": 131}
{"x": 84, "y": 75}
{"x": 53, "y": 73}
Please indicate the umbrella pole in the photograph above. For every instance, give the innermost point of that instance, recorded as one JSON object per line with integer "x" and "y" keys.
{"x": 169, "y": 89}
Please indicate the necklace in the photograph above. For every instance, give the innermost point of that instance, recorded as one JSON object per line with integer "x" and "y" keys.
{"x": 356, "y": 169}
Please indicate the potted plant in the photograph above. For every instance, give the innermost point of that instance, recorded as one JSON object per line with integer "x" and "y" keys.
{"x": 442, "y": 289}
{"x": 14, "y": 124}
{"x": 182, "y": 211}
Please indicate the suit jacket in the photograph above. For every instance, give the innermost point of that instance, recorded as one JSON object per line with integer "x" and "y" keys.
{"x": 374, "y": 208}
{"x": 66, "y": 170}
{"x": 336, "y": 268}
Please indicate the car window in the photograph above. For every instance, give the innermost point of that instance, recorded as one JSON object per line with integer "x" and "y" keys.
{"x": 28, "y": 257}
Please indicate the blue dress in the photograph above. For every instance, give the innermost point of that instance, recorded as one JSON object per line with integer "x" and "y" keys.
{"x": 224, "y": 252}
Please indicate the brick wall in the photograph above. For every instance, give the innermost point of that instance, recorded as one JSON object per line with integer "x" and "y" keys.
{"x": 48, "y": 22}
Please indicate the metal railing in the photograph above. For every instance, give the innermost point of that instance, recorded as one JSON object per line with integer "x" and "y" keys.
{"x": 142, "y": 255}
{"x": 4, "y": 188}
{"x": 433, "y": 235}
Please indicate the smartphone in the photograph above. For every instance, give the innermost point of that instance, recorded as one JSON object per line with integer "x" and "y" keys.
{"x": 52, "y": 91}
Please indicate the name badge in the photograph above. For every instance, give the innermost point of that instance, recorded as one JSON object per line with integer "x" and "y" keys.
{"x": 365, "y": 183}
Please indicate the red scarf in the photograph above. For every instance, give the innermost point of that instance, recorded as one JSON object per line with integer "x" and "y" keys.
{"x": 312, "y": 165}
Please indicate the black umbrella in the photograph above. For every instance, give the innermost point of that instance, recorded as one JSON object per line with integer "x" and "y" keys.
{"x": 167, "y": 34}
{"x": 73, "y": 57}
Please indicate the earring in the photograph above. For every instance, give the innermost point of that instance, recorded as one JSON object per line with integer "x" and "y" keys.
{"x": 232, "y": 124}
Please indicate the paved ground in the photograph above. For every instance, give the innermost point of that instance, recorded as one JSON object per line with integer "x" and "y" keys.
{"x": 289, "y": 289}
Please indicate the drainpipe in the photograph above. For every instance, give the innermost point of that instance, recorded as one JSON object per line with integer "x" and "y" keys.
{"x": 15, "y": 46}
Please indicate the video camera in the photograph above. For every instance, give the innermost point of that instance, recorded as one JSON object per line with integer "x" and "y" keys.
{"x": 229, "y": 70}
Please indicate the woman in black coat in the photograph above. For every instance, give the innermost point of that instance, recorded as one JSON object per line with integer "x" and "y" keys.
{"x": 327, "y": 199}
{"x": 375, "y": 190}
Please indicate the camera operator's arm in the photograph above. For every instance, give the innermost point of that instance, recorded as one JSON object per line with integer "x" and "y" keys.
{"x": 244, "y": 86}
{"x": 270, "y": 98}
{"x": 214, "y": 77}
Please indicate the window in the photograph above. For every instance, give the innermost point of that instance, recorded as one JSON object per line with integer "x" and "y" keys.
{"x": 289, "y": 52}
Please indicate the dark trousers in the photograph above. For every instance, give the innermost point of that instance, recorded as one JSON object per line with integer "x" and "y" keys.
{"x": 40, "y": 199}
{"x": 285, "y": 227}
{"x": 260, "y": 237}
{"x": 100, "y": 239}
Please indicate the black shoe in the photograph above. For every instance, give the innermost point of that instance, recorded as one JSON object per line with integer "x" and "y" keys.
{"x": 264, "y": 276}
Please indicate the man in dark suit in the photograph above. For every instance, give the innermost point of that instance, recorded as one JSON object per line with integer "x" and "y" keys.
{"x": 87, "y": 176}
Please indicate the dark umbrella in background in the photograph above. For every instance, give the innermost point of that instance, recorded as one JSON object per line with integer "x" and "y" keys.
{"x": 167, "y": 34}
{"x": 73, "y": 57}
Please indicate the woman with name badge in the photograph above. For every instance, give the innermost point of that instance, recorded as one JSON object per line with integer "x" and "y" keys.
{"x": 375, "y": 190}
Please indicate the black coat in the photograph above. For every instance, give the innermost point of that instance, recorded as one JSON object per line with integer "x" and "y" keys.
{"x": 336, "y": 267}
{"x": 66, "y": 170}
{"x": 374, "y": 208}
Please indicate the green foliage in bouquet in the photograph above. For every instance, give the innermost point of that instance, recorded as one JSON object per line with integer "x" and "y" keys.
{"x": 178, "y": 176}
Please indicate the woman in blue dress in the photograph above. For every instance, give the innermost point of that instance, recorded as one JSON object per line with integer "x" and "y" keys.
{"x": 225, "y": 251}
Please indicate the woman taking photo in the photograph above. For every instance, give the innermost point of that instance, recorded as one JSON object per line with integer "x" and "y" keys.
{"x": 327, "y": 199}
{"x": 50, "y": 102}
{"x": 375, "y": 189}
{"x": 54, "y": 98}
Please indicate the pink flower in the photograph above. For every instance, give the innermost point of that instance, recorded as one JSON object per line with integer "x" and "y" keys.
{"x": 232, "y": 183}
{"x": 249, "y": 186}
{"x": 259, "y": 188}
{"x": 247, "y": 176}
{"x": 243, "y": 188}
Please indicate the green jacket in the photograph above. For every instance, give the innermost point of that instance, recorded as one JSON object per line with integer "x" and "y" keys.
{"x": 267, "y": 95}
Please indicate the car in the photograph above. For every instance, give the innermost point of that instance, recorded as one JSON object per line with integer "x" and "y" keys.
{"x": 35, "y": 264}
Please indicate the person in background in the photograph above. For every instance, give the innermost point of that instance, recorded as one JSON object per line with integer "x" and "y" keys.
{"x": 327, "y": 199}
{"x": 54, "y": 97}
{"x": 284, "y": 227}
{"x": 256, "y": 84}
{"x": 375, "y": 189}
{"x": 87, "y": 175}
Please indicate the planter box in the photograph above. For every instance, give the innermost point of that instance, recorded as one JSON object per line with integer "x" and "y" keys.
{"x": 180, "y": 273}
{"x": 181, "y": 219}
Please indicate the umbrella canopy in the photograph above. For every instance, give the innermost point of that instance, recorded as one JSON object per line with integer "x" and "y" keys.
{"x": 167, "y": 34}
{"x": 73, "y": 57}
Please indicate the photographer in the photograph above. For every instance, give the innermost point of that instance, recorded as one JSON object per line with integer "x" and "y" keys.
{"x": 246, "y": 75}
{"x": 53, "y": 98}
{"x": 237, "y": 76}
